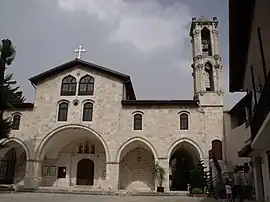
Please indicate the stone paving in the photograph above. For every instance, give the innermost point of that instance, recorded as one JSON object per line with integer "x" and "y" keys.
{"x": 47, "y": 197}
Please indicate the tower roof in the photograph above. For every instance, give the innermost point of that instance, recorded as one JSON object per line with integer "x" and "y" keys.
{"x": 202, "y": 21}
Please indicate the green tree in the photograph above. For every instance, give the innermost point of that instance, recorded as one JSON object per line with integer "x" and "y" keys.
{"x": 8, "y": 95}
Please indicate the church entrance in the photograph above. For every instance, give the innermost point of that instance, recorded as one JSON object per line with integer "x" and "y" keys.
{"x": 183, "y": 159}
{"x": 85, "y": 172}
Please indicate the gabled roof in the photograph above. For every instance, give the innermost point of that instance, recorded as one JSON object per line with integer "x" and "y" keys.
{"x": 56, "y": 70}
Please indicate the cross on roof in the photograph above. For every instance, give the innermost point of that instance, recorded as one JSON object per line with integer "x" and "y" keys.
{"x": 79, "y": 51}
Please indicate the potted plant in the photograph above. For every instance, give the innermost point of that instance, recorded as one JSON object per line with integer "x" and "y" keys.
{"x": 159, "y": 173}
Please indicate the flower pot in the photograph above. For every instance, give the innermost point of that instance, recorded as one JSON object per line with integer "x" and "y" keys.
{"x": 160, "y": 189}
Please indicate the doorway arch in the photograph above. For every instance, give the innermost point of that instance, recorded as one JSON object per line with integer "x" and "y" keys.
{"x": 85, "y": 172}
{"x": 184, "y": 157}
{"x": 13, "y": 162}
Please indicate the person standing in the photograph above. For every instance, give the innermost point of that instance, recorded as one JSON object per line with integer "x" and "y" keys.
{"x": 228, "y": 188}
{"x": 251, "y": 189}
{"x": 243, "y": 183}
{"x": 236, "y": 183}
{"x": 237, "y": 190}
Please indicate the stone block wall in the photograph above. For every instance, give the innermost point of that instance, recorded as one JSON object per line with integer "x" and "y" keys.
{"x": 112, "y": 124}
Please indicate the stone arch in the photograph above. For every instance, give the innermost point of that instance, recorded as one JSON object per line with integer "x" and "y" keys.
{"x": 183, "y": 156}
{"x": 137, "y": 112}
{"x": 187, "y": 140}
{"x": 130, "y": 141}
{"x": 206, "y": 42}
{"x": 41, "y": 146}
{"x": 136, "y": 159}
{"x": 13, "y": 165}
{"x": 209, "y": 76}
{"x": 20, "y": 142}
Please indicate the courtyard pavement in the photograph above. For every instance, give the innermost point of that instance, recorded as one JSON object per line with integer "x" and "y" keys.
{"x": 48, "y": 197}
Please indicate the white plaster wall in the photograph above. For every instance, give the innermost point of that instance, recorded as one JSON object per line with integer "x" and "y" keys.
{"x": 235, "y": 139}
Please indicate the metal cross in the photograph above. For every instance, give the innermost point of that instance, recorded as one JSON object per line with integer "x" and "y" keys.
{"x": 79, "y": 51}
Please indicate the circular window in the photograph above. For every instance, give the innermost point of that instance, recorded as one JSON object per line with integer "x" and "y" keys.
{"x": 75, "y": 103}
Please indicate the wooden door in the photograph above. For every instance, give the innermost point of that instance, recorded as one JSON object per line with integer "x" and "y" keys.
{"x": 85, "y": 172}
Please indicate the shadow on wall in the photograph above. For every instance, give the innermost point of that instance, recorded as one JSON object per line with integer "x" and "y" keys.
{"x": 82, "y": 174}
{"x": 136, "y": 170}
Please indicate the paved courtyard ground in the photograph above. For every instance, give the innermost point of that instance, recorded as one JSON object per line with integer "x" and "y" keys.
{"x": 43, "y": 197}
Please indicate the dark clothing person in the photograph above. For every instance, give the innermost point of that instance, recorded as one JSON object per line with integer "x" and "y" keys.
{"x": 238, "y": 182}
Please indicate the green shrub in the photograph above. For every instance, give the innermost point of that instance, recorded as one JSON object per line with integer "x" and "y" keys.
{"x": 198, "y": 177}
{"x": 197, "y": 191}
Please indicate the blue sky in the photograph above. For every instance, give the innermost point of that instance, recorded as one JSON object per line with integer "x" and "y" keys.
{"x": 149, "y": 40}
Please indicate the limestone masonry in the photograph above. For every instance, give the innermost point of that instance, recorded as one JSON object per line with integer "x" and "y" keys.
{"x": 114, "y": 143}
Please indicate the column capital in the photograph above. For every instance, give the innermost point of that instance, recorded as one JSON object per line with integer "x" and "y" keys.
{"x": 196, "y": 32}
{"x": 215, "y": 33}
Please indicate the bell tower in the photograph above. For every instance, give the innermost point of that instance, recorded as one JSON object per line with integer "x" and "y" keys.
{"x": 207, "y": 68}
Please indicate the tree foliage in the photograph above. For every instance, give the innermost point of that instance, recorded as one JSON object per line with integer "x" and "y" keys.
{"x": 9, "y": 95}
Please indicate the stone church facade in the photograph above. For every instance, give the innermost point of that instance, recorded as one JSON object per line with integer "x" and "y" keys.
{"x": 87, "y": 128}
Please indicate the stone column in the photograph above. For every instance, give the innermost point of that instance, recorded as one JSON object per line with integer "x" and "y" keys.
{"x": 214, "y": 36}
{"x": 112, "y": 175}
{"x": 201, "y": 78}
{"x": 164, "y": 163}
{"x": 217, "y": 71}
{"x": 197, "y": 78}
{"x": 197, "y": 42}
{"x": 32, "y": 177}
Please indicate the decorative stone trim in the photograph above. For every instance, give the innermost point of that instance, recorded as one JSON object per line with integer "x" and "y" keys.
{"x": 196, "y": 32}
{"x": 110, "y": 162}
{"x": 216, "y": 57}
{"x": 199, "y": 57}
{"x": 162, "y": 158}
{"x": 200, "y": 66}
{"x": 220, "y": 92}
{"x": 215, "y": 32}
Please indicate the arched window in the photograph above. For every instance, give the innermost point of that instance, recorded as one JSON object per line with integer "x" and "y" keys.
{"x": 87, "y": 111}
{"x": 206, "y": 42}
{"x": 209, "y": 79}
{"x": 68, "y": 85}
{"x": 184, "y": 121}
{"x": 63, "y": 111}
{"x": 16, "y": 122}
{"x": 137, "y": 125}
{"x": 86, "y": 85}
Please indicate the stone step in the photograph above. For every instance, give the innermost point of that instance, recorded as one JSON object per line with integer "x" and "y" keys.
{"x": 101, "y": 192}
{"x": 6, "y": 188}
